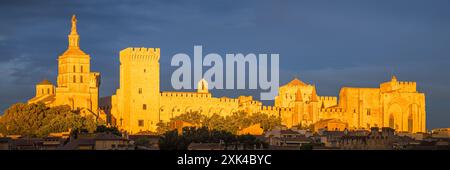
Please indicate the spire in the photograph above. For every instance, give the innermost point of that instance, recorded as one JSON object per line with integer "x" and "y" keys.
{"x": 73, "y": 36}
{"x": 314, "y": 95}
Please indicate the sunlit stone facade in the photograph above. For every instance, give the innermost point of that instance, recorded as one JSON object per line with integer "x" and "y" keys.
{"x": 76, "y": 86}
{"x": 139, "y": 105}
{"x": 394, "y": 104}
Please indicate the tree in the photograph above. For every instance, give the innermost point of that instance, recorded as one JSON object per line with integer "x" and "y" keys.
{"x": 162, "y": 127}
{"x": 307, "y": 146}
{"x": 172, "y": 141}
{"x": 195, "y": 118}
{"x": 40, "y": 120}
{"x": 142, "y": 141}
{"x": 105, "y": 129}
{"x": 267, "y": 122}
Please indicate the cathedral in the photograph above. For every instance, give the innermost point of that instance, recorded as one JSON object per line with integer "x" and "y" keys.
{"x": 139, "y": 104}
{"x": 77, "y": 86}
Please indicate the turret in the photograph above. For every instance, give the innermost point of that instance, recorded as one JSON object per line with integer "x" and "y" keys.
{"x": 45, "y": 87}
{"x": 202, "y": 86}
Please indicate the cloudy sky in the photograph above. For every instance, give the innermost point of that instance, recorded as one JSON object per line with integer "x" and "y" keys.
{"x": 327, "y": 43}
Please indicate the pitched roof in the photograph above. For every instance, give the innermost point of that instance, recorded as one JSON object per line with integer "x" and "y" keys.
{"x": 314, "y": 95}
{"x": 296, "y": 82}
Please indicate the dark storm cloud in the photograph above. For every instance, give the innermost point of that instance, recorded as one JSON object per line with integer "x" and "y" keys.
{"x": 327, "y": 43}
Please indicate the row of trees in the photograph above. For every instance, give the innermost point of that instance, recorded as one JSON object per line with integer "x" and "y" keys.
{"x": 171, "y": 140}
{"x": 231, "y": 123}
{"x": 38, "y": 120}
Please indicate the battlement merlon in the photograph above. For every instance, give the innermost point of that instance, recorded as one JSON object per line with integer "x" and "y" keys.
{"x": 327, "y": 98}
{"x": 140, "y": 54}
{"x": 408, "y": 86}
{"x": 403, "y": 86}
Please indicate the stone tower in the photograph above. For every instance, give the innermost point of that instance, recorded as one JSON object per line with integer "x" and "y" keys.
{"x": 77, "y": 86}
{"x": 136, "y": 103}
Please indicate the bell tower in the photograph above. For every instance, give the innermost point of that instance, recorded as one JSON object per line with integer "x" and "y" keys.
{"x": 77, "y": 86}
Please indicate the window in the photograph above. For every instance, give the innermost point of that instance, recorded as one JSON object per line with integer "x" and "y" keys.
{"x": 42, "y": 91}
{"x": 74, "y": 69}
{"x": 368, "y": 112}
{"x": 81, "y": 68}
{"x": 410, "y": 123}
{"x": 140, "y": 123}
{"x": 144, "y": 107}
{"x": 145, "y": 70}
{"x": 48, "y": 91}
{"x": 81, "y": 79}
{"x": 140, "y": 91}
{"x": 391, "y": 122}
{"x": 74, "y": 79}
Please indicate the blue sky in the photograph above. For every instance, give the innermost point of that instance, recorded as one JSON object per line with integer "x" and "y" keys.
{"x": 327, "y": 43}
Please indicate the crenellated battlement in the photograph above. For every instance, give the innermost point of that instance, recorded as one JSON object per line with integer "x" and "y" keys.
{"x": 274, "y": 108}
{"x": 185, "y": 94}
{"x": 328, "y": 101}
{"x": 140, "y": 54}
{"x": 228, "y": 100}
{"x": 408, "y": 86}
{"x": 269, "y": 108}
{"x": 333, "y": 110}
{"x": 327, "y": 98}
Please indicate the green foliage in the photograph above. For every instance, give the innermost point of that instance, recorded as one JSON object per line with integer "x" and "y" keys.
{"x": 195, "y": 118}
{"x": 105, "y": 129}
{"x": 142, "y": 141}
{"x": 39, "y": 120}
{"x": 267, "y": 122}
{"x": 162, "y": 127}
{"x": 307, "y": 146}
{"x": 171, "y": 140}
{"x": 232, "y": 123}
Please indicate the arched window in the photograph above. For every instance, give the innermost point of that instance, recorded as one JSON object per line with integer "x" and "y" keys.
{"x": 48, "y": 91}
{"x": 391, "y": 122}
{"x": 410, "y": 123}
{"x": 74, "y": 79}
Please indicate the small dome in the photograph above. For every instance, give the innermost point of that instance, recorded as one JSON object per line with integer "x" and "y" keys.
{"x": 45, "y": 82}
